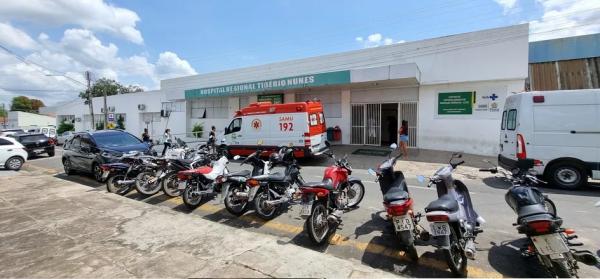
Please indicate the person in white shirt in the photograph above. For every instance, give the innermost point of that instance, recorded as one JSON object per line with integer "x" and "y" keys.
{"x": 168, "y": 140}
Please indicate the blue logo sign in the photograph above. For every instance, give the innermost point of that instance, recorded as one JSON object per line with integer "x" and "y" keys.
{"x": 493, "y": 97}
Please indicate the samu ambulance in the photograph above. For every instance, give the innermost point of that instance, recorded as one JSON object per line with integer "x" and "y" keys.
{"x": 268, "y": 126}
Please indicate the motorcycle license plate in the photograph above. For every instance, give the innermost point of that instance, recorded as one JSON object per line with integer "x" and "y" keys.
{"x": 105, "y": 174}
{"x": 306, "y": 208}
{"x": 438, "y": 229}
{"x": 550, "y": 244}
{"x": 402, "y": 223}
{"x": 181, "y": 185}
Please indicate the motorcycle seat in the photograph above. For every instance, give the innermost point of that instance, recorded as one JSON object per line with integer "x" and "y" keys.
{"x": 321, "y": 184}
{"x": 395, "y": 194}
{"x": 183, "y": 161}
{"x": 536, "y": 210}
{"x": 240, "y": 173}
{"x": 276, "y": 177}
{"x": 444, "y": 203}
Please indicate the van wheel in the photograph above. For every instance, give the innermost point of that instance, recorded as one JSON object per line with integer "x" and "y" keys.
{"x": 567, "y": 175}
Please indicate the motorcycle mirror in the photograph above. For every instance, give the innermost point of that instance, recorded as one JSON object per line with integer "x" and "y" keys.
{"x": 393, "y": 146}
{"x": 421, "y": 179}
{"x": 372, "y": 172}
{"x": 236, "y": 157}
{"x": 291, "y": 144}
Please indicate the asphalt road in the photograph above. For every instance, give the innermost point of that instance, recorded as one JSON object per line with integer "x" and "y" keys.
{"x": 365, "y": 236}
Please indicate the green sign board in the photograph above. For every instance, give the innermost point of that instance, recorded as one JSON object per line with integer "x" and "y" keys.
{"x": 322, "y": 79}
{"x": 452, "y": 103}
{"x": 273, "y": 98}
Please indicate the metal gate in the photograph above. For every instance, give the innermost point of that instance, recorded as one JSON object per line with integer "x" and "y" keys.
{"x": 408, "y": 112}
{"x": 366, "y": 124}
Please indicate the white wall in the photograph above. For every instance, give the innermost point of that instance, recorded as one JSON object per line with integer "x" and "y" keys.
{"x": 475, "y": 134}
{"x": 25, "y": 120}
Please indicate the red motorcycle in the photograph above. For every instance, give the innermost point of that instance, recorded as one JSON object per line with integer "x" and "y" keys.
{"x": 324, "y": 202}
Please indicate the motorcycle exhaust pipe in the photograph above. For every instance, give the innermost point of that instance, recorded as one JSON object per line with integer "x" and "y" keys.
{"x": 585, "y": 257}
{"x": 125, "y": 182}
{"x": 241, "y": 195}
{"x": 470, "y": 249}
{"x": 276, "y": 202}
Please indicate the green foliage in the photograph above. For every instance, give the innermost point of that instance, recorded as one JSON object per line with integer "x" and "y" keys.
{"x": 100, "y": 125}
{"x": 198, "y": 130}
{"x": 22, "y": 103}
{"x": 111, "y": 87}
{"x": 3, "y": 112}
{"x": 121, "y": 122}
{"x": 65, "y": 126}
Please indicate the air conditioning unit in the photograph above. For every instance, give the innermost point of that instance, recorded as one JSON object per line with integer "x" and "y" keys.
{"x": 141, "y": 107}
{"x": 164, "y": 113}
{"x": 78, "y": 119}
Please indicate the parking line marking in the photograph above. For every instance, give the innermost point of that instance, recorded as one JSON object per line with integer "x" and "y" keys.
{"x": 340, "y": 240}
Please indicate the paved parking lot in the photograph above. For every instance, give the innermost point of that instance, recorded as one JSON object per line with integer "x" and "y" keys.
{"x": 366, "y": 238}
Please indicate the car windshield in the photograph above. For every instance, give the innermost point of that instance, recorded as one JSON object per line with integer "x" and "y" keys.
{"x": 33, "y": 138}
{"x": 115, "y": 139}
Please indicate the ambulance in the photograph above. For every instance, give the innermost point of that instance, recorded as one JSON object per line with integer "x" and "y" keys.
{"x": 269, "y": 126}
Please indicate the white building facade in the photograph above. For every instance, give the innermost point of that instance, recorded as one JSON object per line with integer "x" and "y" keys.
{"x": 27, "y": 120}
{"x": 450, "y": 90}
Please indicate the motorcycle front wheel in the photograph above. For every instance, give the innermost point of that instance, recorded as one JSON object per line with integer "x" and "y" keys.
{"x": 356, "y": 192}
{"x": 191, "y": 199}
{"x": 455, "y": 257}
{"x": 263, "y": 210}
{"x": 317, "y": 224}
{"x": 112, "y": 185}
{"x": 233, "y": 205}
{"x": 169, "y": 185}
{"x": 146, "y": 183}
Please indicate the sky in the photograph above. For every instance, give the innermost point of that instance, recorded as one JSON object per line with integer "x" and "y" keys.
{"x": 47, "y": 45}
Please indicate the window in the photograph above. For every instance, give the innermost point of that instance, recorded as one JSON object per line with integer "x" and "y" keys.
{"x": 5, "y": 142}
{"x": 75, "y": 143}
{"x": 235, "y": 126}
{"x": 210, "y": 108}
{"x": 85, "y": 142}
{"x": 321, "y": 118}
{"x": 503, "y": 123}
{"x": 115, "y": 139}
{"x": 52, "y": 133}
{"x": 512, "y": 120}
{"x": 312, "y": 118}
{"x": 172, "y": 106}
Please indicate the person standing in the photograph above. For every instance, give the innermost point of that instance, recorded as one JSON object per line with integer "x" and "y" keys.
{"x": 403, "y": 132}
{"x": 145, "y": 136}
{"x": 212, "y": 138}
{"x": 168, "y": 140}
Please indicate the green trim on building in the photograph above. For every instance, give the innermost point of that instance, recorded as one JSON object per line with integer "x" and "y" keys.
{"x": 313, "y": 80}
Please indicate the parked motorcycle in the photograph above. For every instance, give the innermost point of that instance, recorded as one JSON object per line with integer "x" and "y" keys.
{"x": 454, "y": 224}
{"x": 324, "y": 202}
{"x": 537, "y": 219}
{"x": 197, "y": 183}
{"x": 270, "y": 191}
{"x": 148, "y": 182}
{"x": 235, "y": 190}
{"x": 121, "y": 176}
{"x": 399, "y": 205}
{"x": 199, "y": 158}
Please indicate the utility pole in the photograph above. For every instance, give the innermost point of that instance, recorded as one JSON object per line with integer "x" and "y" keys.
{"x": 105, "y": 110}
{"x": 88, "y": 78}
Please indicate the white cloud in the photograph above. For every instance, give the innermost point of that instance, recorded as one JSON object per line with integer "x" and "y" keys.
{"x": 375, "y": 40}
{"x": 90, "y": 14}
{"x": 77, "y": 51}
{"x": 564, "y": 18}
{"x": 14, "y": 37}
{"x": 169, "y": 65}
{"x": 507, "y": 4}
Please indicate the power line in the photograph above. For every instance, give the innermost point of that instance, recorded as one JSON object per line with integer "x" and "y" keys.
{"x": 37, "y": 90}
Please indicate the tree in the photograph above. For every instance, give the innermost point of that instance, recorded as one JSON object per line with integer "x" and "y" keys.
{"x": 111, "y": 87}
{"x": 36, "y": 105}
{"x": 3, "y": 112}
{"x": 121, "y": 122}
{"x": 65, "y": 126}
{"x": 21, "y": 103}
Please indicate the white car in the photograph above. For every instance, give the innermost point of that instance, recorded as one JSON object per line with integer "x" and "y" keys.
{"x": 560, "y": 130}
{"x": 64, "y": 137}
{"x": 12, "y": 154}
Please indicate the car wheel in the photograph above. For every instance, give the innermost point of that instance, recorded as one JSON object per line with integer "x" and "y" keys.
{"x": 567, "y": 175}
{"x": 97, "y": 172}
{"x": 51, "y": 153}
{"x": 67, "y": 166}
{"x": 14, "y": 163}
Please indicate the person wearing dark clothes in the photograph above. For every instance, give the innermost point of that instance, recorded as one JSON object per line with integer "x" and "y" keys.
{"x": 145, "y": 136}
{"x": 403, "y": 132}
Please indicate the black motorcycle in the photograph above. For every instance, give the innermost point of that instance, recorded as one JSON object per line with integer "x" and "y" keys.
{"x": 193, "y": 160}
{"x": 121, "y": 176}
{"x": 537, "y": 219}
{"x": 235, "y": 190}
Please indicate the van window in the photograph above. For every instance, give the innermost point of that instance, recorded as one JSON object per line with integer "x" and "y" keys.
{"x": 321, "y": 118}
{"x": 235, "y": 126}
{"x": 45, "y": 131}
{"x": 313, "y": 119}
{"x": 503, "y": 121}
{"x": 511, "y": 123}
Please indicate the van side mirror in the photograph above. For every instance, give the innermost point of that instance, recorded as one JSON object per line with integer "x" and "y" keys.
{"x": 226, "y": 130}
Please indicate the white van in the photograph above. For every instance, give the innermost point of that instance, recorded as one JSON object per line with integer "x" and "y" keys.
{"x": 560, "y": 130}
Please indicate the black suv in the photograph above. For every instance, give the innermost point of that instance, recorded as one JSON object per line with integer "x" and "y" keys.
{"x": 36, "y": 143}
{"x": 87, "y": 151}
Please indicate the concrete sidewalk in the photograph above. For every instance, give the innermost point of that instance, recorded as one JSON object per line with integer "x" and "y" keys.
{"x": 53, "y": 228}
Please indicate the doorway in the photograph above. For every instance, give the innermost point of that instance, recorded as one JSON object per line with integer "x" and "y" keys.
{"x": 377, "y": 124}
{"x": 389, "y": 121}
